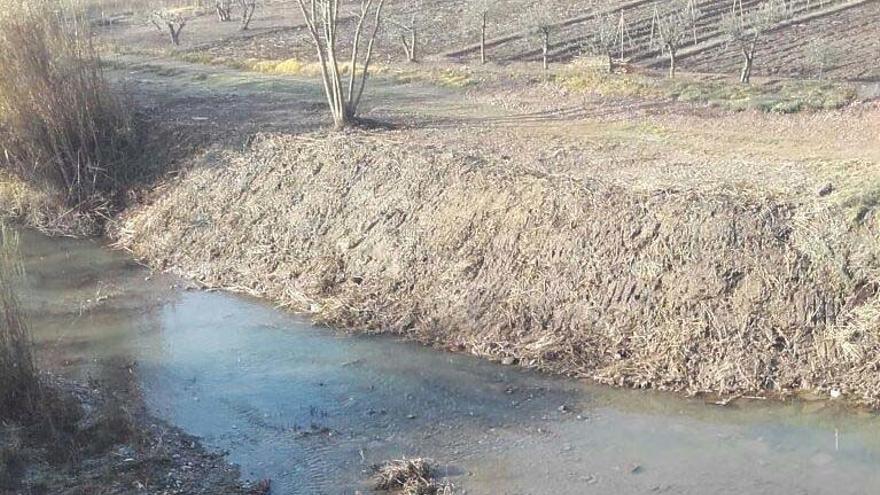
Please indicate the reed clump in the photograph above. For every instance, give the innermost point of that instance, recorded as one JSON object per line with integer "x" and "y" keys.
{"x": 410, "y": 477}
{"x": 19, "y": 379}
{"x": 62, "y": 128}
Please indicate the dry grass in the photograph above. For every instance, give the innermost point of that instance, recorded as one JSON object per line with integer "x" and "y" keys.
{"x": 45, "y": 210}
{"x": 62, "y": 126}
{"x": 702, "y": 291}
{"x": 410, "y": 477}
{"x": 450, "y": 77}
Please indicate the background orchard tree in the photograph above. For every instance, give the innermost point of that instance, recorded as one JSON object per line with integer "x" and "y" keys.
{"x": 168, "y": 21}
{"x": 674, "y": 25}
{"x": 247, "y": 7}
{"x": 224, "y": 10}
{"x": 541, "y": 21}
{"x": 744, "y": 30}
{"x": 406, "y": 19}
{"x": 820, "y": 56}
{"x": 477, "y": 16}
{"x": 601, "y": 38}
{"x": 322, "y": 20}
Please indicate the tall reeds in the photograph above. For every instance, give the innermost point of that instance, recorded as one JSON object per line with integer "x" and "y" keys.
{"x": 61, "y": 125}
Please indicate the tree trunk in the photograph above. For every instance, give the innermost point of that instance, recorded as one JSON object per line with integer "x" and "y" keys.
{"x": 545, "y": 49}
{"x": 746, "y": 73}
{"x": 483, "y": 38}
{"x": 342, "y": 120}
{"x": 413, "y": 41}
{"x": 748, "y": 61}
{"x": 322, "y": 26}
{"x": 672, "y": 63}
{"x": 175, "y": 35}
{"x": 224, "y": 13}
{"x": 246, "y": 15}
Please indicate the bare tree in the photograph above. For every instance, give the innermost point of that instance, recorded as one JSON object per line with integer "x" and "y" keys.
{"x": 601, "y": 39}
{"x": 322, "y": 20}
{"x": 406, "y": 22}
{"x": 541, "y": 21}
{"x": 248, "y": 7}
{"x": 478, "y": 14}
{"x": 820, "y": 55}
{"x": 173, "y": 22}
{"x": 224, "y": 10}
{"x": 744, "y": 30}
{"x": 674, "y": 25}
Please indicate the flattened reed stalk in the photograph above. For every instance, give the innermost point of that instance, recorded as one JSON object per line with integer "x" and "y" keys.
{"x": 61, "y": 126}
{"x": 19, "y": 379}
{"x": 410, "y": 477}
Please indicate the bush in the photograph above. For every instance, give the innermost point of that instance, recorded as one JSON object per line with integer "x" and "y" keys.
{"x": 60, "y": 124}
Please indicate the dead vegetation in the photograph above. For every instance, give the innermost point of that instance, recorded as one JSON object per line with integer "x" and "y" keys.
{"x": 62, "y": 128}
{"x": 698, "y": 290}
{"x": 410, "y": 477}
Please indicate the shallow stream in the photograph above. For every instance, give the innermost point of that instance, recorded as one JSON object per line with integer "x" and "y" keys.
{"x": 312, "y": 409}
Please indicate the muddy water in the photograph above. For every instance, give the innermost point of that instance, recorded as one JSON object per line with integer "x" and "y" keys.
{"x": 312, "y": 410}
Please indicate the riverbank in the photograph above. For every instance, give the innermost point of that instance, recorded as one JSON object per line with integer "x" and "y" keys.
{"x": 758, "y": 290}
{"x": 314, "y": 410}
{"x": 110, "y": 445}
{"x": 672, "y": 247}
{"x": 68, "y": 433}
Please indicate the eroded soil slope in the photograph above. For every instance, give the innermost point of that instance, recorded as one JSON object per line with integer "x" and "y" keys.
{"x": 700, "y": 291}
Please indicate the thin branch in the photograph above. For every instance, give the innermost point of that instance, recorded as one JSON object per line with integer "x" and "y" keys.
{"x": 369, "y": 56}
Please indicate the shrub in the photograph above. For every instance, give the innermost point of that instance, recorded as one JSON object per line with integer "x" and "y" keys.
{"x": 60, "y": 124}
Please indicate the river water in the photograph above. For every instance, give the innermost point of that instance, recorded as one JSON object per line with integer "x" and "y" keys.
{"x": 313, "y": 409}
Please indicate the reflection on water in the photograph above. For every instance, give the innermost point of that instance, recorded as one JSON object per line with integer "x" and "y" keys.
{"x": 313, "y": 410}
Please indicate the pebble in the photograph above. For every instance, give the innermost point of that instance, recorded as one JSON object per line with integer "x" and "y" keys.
{"x": 508, "y": 361}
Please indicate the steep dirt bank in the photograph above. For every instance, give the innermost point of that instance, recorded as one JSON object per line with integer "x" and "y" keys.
{"x": 717, "y": 292}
